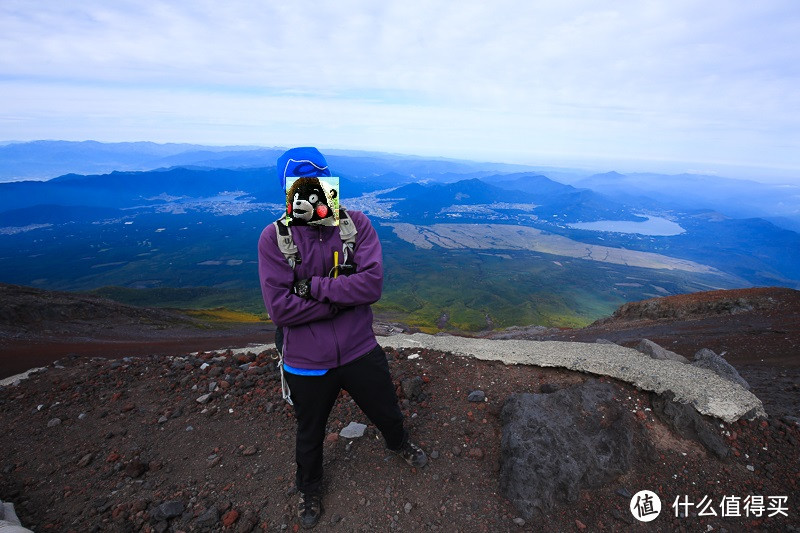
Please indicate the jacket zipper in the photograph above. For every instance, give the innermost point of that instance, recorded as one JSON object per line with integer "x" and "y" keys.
{"x": 336, "y": 341}
{"x": 333, "y": 328}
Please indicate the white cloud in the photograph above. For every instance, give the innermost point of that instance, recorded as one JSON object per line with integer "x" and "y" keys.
{"x": 706, "y": 82}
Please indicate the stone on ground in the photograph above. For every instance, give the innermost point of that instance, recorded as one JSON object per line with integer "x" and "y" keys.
{"x": 553, "y": 445}
{"x": 476, "y": 396}
{"x": 706, "y": 358}
{"x": 412, "y": 387}
{"x": 648, "y": 347}
{"x": 353, "y": 430}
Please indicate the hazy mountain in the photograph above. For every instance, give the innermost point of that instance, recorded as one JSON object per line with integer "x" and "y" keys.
{"x": 553, "y": 200}
{"x": 406, "y": 191}
{"x": 47, "y": 159}
{"x": 57, "y": 214}
{"x": 754, "y": 249}
{"x": 270, "y": 191}
{"x": 529, "y": 182}
{"x": 130, "y": 189}
{"x": 424, "y": 202}
{"x": 227, "y": 158}
{"x": 383, "y": 181}
{"x": 565, "y": 202}
{"x": 733, "y": 197}
{"x": 366, "y": 164}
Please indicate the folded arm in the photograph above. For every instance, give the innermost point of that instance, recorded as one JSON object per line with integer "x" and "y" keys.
{"x": 365, "y": 286}
{"x": 277, "y": 277}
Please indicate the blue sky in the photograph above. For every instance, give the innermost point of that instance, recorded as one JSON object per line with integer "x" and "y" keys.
{"x": 674, "y": 86}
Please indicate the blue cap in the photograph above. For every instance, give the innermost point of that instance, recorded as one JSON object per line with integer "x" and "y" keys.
{"x": 305, "y": 162}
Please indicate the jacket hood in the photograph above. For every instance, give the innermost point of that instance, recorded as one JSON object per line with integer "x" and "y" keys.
{"x": 303, "y": 162}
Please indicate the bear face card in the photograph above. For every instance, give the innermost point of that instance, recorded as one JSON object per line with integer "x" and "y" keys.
{"x": 312, "y": 201}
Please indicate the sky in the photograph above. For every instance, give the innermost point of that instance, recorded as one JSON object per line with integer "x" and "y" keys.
{"x": 666, "y": 86}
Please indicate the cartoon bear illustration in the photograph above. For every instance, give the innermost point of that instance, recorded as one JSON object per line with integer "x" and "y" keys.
{"x": 311, "y": 201}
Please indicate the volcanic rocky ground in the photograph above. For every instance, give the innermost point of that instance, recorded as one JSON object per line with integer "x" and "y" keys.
{"x": 176, "y": 441}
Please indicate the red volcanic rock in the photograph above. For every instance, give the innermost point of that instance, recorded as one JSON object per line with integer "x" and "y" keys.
{"x": 230, "y": 517}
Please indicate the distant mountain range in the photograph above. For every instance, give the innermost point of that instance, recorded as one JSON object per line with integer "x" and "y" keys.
{"x": 41, "y": 160}
{"x": 48, "y": 159}
{"x": 466, "y": 245}
{"x": 130, "y": 189}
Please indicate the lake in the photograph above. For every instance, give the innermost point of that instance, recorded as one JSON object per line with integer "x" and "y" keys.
{"x": 653, "y": 226}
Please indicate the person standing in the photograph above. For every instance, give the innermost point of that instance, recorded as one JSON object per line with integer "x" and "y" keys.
{"x": 324, "y": 319}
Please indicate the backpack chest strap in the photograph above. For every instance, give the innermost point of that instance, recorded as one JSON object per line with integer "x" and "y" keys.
{"x": 347, "y": 233}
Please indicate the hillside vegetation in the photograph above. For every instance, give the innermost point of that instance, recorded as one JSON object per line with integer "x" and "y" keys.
{"x": 467, "y": 246}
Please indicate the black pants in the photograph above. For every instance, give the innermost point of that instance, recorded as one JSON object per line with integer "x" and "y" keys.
{"x": 369, "y": 383}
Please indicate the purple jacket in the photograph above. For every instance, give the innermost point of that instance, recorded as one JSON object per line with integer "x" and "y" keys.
{"x": 335, "y": 327}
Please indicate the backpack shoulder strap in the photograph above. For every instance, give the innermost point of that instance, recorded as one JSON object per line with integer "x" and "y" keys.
{"x": 286, "y": 243}
{"x": 347, "y": 230}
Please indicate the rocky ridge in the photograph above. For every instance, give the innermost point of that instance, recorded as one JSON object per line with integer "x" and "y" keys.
{"x": 705, "y": 304}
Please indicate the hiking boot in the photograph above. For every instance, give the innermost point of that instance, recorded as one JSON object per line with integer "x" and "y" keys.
{"x": 309, "y": 509}
{"x": 412, "y": 454}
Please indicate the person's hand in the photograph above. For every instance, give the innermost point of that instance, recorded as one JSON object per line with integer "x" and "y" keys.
{"x": 342, "y": 270}
{"x": 302, "y": 288}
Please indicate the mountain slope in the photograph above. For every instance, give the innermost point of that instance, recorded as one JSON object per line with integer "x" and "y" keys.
{"x": 142, "y": 436}
{"x": 28, "y": 309}
{"x": 427, "y": 202}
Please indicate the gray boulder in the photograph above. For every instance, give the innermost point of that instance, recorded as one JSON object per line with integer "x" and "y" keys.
{"x": 655, "y": 351}
{"x": 554, "y": 445}
{"x": 688, "y": 423}
{"x": 9, "y": 523}
{"x": 706, "y": 358}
